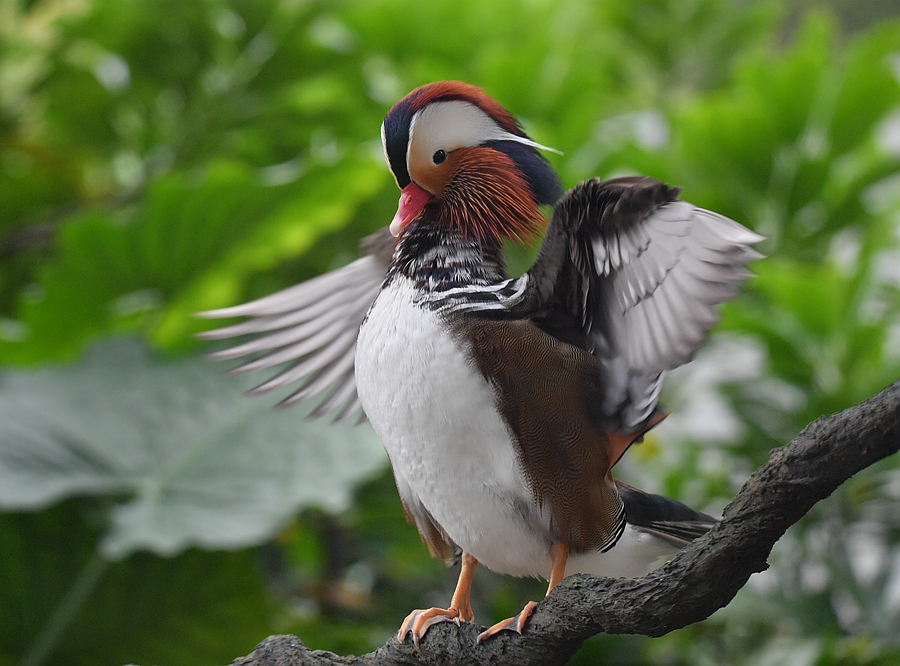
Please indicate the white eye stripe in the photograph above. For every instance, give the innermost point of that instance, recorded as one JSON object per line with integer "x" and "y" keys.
{"x": 456, "y": 124}
{"x": 533, "y": 144}
{"x": 387, "y": 159}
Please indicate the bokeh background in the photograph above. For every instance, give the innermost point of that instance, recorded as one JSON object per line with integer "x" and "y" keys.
{"x": 160, "y": 158}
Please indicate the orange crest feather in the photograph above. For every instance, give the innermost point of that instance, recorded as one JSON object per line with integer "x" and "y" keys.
{"x": 488, "y": 198}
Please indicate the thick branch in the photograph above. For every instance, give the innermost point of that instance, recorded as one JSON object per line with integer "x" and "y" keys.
{"x": 704, "y": 577}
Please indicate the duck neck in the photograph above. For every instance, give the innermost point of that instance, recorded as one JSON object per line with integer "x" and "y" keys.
{"x": 437, "y": 260}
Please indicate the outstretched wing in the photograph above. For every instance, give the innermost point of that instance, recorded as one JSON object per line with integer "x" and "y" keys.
{"x": 632, "y": 274}
{"x": 312, "y": 327}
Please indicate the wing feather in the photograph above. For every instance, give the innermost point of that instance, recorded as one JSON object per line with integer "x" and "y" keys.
{"x": 326, "y": 376}
{"x": 312, "y": 328}
{"x": 641, "y": 272}
{"x": 341, "y": 392}
{"x": 664, "y": 517}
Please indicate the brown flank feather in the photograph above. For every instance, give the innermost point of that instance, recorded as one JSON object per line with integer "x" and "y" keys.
{"x": 439, "y": 544}
{"x": 547, "y": 392}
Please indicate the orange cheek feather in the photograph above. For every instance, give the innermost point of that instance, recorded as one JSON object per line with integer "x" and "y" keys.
{"x": 486, "y": 196}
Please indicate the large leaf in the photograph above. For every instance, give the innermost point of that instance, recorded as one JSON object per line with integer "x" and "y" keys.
{"x": 199, "y": 608}
{"x": 196, "y": 462}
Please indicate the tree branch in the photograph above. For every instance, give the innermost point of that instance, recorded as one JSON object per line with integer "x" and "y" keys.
{"x": 702, "y": 578}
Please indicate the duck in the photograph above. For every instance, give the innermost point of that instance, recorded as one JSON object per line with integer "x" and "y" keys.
{"x": 504, "y": 402}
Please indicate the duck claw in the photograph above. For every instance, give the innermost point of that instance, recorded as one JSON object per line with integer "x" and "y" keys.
{"x": 516, "y": 623}
{"x": 419, "y": 622}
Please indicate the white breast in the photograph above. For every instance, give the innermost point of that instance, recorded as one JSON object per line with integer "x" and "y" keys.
{"x": 449, "y": 448}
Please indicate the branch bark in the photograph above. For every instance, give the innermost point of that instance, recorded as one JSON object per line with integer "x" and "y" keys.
{"x": 702, "y": 578}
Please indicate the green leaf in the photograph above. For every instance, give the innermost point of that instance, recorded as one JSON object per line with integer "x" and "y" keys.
{"x": 188, "y": 246}
{"x": 198, "y": 463}
{"x": 195, "y": 609}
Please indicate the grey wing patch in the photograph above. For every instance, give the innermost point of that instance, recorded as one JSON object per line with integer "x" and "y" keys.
{"x": 664, "y": 278}
{"x": 633, "y": 275}
{"x": 312, "y": 328}
{"x": 673, "y": 270}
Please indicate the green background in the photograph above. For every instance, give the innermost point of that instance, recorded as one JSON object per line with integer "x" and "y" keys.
{"x": 161, "y": 158}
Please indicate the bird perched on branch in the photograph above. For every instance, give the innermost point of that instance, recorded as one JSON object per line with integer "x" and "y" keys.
{"x": 504, "y": 403}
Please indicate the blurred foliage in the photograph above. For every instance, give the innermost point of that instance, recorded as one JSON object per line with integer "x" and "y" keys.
{"x": 185, "y": 457}
{"x": 159, "y": 158}
{"x": 199, "y": 608}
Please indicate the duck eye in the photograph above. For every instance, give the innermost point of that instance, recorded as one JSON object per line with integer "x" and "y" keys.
{"x": 439, "y": 156}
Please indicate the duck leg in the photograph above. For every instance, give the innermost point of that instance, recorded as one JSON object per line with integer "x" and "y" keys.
{"x": 559, "y": 553}
{"x": 419, "y": 622}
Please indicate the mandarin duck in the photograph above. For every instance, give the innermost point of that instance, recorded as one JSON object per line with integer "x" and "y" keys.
{"x": 504, "y": 403}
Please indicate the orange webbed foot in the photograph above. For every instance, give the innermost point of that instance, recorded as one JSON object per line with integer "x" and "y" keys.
{"x": 515, "y": 623}
{"x": 419, "y": 622}
{"x": 559, "y": 553}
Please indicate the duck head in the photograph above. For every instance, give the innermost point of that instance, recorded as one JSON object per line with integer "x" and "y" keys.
{"x": 463, "y": 161}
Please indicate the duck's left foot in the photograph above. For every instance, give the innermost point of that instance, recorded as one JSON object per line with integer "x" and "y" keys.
{"x": 516, "y": 623}
{"x": 419, "y": 622}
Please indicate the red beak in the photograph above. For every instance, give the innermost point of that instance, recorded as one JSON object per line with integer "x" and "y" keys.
{"x": 412, "y": 200}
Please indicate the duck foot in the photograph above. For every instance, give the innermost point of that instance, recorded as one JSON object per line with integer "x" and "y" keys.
{"x": 419, "y": 622}
{"x": 516, "y": 623}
